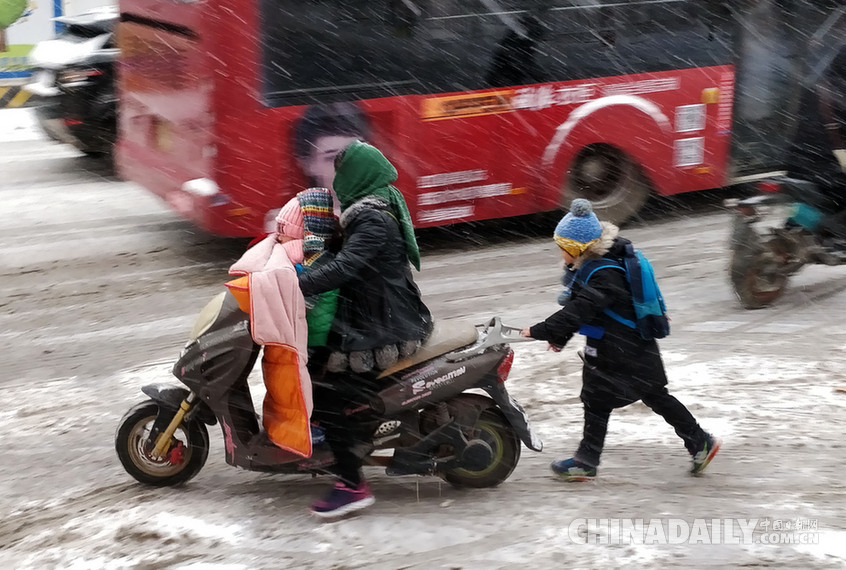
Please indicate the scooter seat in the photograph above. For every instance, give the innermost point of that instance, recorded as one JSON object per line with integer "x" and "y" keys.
{"x": 446, "y": 336}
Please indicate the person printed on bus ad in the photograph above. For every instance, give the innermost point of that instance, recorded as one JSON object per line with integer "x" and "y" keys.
{"x": 316, "y": 138}
{"x": 620, "y": 366}
{"x": 380, "y": 318}
{"x": 321, "y": 132}
{"x": 817, "y": 150}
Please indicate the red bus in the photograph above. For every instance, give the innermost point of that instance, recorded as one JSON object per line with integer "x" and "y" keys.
{"x": 488, "y": 108}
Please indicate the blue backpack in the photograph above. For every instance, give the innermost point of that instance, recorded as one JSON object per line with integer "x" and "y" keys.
{"x": 651, "y": 320}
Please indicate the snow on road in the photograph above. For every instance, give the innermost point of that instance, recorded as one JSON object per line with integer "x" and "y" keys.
{"x": 98, "y": 292}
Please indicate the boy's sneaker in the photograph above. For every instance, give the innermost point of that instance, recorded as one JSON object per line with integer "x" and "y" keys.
{"x": 703, "y": 457}
{"x": 572, "y": 470}
{"x": 343, "y": 499}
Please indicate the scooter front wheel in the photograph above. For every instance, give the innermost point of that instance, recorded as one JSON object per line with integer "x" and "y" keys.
{"x": 185, "y": 456}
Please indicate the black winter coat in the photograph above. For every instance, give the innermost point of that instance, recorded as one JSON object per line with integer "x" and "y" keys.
{"x": 811, "y": 152}
{"x": 621, "y": 366}
{"x": 810, "y": 155}
{"x": 379, "y": 303}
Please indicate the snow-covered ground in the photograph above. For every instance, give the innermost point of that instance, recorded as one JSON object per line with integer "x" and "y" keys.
{"x": 94, "y": 309}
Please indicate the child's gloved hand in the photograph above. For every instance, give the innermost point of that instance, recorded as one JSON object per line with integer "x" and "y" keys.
{"x": 299, "y": 267}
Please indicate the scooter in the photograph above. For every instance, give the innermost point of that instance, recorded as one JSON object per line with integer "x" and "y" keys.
{"x": 777, "y": 232}
{"x": 425, "y": 413}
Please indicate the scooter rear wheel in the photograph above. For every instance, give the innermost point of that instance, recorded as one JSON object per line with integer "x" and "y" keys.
{"x": 493, "y": 429}
{"x": 183, "y": 459}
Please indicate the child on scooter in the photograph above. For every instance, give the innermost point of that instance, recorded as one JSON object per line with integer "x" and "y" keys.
{"x": 304, "y": 226}
{"x": 620, "y": 367}
{"x": 288, "y": 328}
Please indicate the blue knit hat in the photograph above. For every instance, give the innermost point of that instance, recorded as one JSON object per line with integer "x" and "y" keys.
{"x": 578, "y": 229}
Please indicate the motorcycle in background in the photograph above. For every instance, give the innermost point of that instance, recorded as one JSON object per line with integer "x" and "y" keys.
{"x": 424, "y": 412}
{"x": 777, "y": 232}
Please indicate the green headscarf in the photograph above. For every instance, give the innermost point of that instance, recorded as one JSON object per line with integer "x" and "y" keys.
{"x": 364, "y": 171}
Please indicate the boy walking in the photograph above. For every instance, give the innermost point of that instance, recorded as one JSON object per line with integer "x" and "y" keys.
{"x": 620, "y": 366}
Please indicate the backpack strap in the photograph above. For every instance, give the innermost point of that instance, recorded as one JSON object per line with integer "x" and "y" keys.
{"x": 592, "y": 267}
{"x": 620, "y": 319}
{"x": 587, "y": 270}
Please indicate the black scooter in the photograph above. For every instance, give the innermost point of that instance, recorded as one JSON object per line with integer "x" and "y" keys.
{"x": 427, "y": 416}
{"x": 778, "y": 231}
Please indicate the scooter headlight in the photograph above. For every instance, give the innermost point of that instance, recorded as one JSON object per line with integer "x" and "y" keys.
{"x": 207, "y": 316}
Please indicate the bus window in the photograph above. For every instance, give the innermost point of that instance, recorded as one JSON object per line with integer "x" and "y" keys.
{"x": 337, "y": 50}
{"x": 629, "y": 37}
{"x": 333, "y": 50}
{"x": 321, "y": 133}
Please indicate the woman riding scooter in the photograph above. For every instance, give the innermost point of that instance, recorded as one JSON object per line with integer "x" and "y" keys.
{"x": 380, "y": 317}
{"x": 817, "y": 151}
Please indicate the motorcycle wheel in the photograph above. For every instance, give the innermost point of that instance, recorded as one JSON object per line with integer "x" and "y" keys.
{"x": 759, "y": 277}
{"x": 183, "y": 460}
{"x": 493, "y": 429}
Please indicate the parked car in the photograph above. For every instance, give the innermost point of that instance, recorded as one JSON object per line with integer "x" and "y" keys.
{"x": 73, "y": 82}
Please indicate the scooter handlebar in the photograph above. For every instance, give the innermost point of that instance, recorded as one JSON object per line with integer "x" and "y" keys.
{"x": 491, "y": 333}
{"x": 498, "y": 333}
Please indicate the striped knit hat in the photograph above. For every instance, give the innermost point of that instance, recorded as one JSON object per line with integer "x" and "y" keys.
{"x": 579, "y": 229}
{"x": 318, "y": 221}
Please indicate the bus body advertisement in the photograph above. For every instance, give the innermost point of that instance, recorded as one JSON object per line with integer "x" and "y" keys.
{"x": 488, "y": 109}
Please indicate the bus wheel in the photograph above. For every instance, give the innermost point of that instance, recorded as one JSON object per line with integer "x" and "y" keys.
{"x": 610, "y": 179}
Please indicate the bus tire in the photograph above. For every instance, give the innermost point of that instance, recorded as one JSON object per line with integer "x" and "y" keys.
{"x": 610, "y": 179}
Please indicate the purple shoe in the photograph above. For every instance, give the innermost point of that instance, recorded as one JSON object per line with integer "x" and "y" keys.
{"x": 343, "y": 499}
